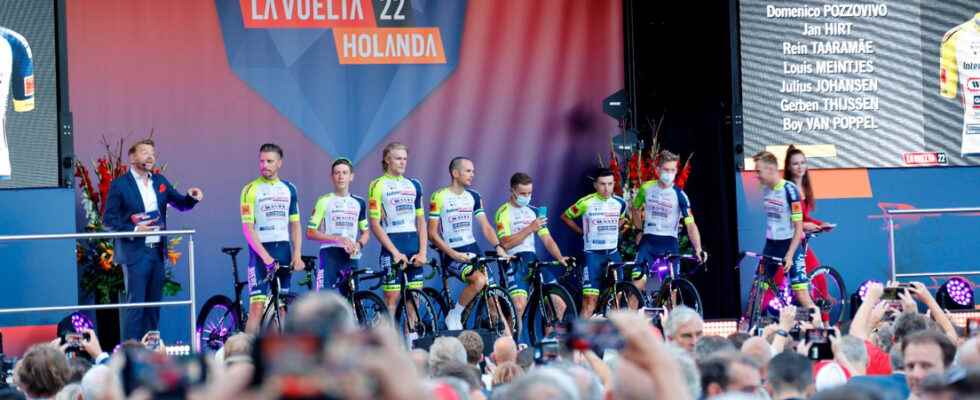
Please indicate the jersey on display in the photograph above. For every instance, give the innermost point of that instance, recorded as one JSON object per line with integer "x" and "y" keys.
{"x": 600, "y": 220}
{"x": 270, "y": 204}
{"x": 511, "y": 219}
{"x": 959, "y": 68}
{"x": 783, "y": 209}
{"x": 339, "y": 216}
{"x": 16, "y": 79}
{"x": 455, "y": 213}
{"x": 663, "y": 208}
{"x": 396, "y": 202}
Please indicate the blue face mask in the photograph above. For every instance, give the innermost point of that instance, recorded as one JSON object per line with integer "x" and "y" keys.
{"x": 522, "y": 201}
{"x": 667, "y": 177}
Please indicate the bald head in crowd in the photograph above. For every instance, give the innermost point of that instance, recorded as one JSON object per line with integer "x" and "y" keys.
{"x": 504, "y": 350}
{"x": 759, "y": 350}
{"x": 968, "y": 355}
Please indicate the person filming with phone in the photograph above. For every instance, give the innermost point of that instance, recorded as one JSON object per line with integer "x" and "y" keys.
{"x": 137, "y": 202}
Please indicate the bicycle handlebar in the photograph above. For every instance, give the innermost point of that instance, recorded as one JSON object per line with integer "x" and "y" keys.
{"x": 758, "y": 256}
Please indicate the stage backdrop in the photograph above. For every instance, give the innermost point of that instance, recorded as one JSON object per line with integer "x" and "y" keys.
{"x": 516, "y": 86}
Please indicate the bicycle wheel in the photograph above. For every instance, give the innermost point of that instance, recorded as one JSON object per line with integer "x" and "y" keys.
{"x": 832, "y": 299}
{"x": 543, "y": 317}
{"x": 477, "y": 314}
{"x": 684, "y": 293}
{"x": 424, "y": 309}
{"x": 369, "y": 308}
{"x": 217, "y": 321}
{"x": 623, "y": 296}
{"x": 440, "y": 306}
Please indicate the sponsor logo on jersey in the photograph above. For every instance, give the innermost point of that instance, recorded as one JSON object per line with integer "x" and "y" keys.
{"x": 373, "y": 204}
{"x": 433, "y": 207}
{"x": 925, "y": 158}
{"x": 29, "y": 86}
{"x": 973, "y": 84}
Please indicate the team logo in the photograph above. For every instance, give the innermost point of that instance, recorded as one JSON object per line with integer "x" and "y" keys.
{"x": 797, "y": 208}
{"x": 300, "y": 57}
{"x": 973, "y": 84}
{"x": 29, "y": 86}
{"x": 246, "y": 209}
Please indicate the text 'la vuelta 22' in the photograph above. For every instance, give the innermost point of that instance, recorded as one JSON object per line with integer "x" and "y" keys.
{"x": 358, "y": 38}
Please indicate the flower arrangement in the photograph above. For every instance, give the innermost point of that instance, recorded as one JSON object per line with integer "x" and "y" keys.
{"x": 100, "y": 275}
{"x": 640, "y": 166}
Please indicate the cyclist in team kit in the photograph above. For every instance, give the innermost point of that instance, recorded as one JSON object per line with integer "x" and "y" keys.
{"x": 661, "y": 206}
{"x": 602, "y": 216}
{"x": 451, "y": 214}
{"x": 784, "y": 224}
{"x": 517, "y": 223}
{"x": 270, "y": 222}
{"x": 397, "y": 219}
{"x": 339, "y": 223}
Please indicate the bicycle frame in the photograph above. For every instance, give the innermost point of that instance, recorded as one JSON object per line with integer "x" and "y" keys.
{"x": 612, "y": 268}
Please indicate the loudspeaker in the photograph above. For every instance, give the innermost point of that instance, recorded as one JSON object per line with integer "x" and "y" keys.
{"x": 66, "y": 150}
{"x": 488, "y": 336}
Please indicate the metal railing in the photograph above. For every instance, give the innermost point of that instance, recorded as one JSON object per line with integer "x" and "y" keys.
{"x": 113, "y": 235}
{"x": 890, "y": 215}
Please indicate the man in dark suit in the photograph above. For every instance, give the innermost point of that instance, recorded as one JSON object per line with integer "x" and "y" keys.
{"x": 137, "y": 202}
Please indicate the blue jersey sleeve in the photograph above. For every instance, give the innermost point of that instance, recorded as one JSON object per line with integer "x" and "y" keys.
{"x": 362, "y": 222}
{"x": 795, "y": 204}
{"x": 418, "y": 197}
{"x": 22, "y": 71}
{"x": 293, "y": 202}
{"x": 622, "y": 206}
{"x": 684, "y": 206}
{"x": 477, "y": 202}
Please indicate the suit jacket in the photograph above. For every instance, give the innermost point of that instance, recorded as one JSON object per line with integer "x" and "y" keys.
{"x": 124, "y": 200}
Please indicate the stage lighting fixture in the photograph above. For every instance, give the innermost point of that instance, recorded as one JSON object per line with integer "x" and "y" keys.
{"x": 956, "y": 294}
{"x": 858, "y": 296}
{"x": 75, "y": 322}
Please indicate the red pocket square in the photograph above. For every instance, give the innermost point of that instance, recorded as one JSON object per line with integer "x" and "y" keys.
{"x": 163, "y": 188}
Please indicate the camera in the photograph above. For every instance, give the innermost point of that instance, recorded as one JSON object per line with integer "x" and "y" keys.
{"x": 892, "y": 293}
{"x": 596, "y": 335}
{"x": 75, "y": 342}
{"x": 972, "y": 327}
{"x": 820, "y": 346}
{"x": 548, "y": 350}
{"x": 163, "y": 376}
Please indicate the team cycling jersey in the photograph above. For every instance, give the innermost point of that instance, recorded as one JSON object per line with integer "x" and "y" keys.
{"x": 511, "y": 219}
{"x": 783, "y": 209}
{"x": 339, "y": 216}
{"x": 959, "y": 68}
{"x": 17, "y": 78}
{"x": 455, "y": 213}
{"x": 663, "y": 208}
{"x": 395, "y": 201}
{"x": 600, "y": 220}
{"x": 270, "y": 204}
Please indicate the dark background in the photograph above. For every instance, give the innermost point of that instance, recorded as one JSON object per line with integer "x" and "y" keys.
{"x": 679, "y": 67}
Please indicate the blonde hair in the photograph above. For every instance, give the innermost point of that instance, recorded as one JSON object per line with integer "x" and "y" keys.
{"x": 388, "y": 149}
{"x": 765, "y": 157}
{"x": 665, "y": 156}
{"x": 506, "y": 373}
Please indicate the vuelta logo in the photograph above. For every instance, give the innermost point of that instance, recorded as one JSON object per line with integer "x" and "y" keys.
{"x": 357, "y": 37}
{"x": 299, "y": 55}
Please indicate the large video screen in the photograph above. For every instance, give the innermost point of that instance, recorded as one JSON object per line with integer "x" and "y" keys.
{"x": 29, "y": 94}
{"x": 862, "y": 84}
